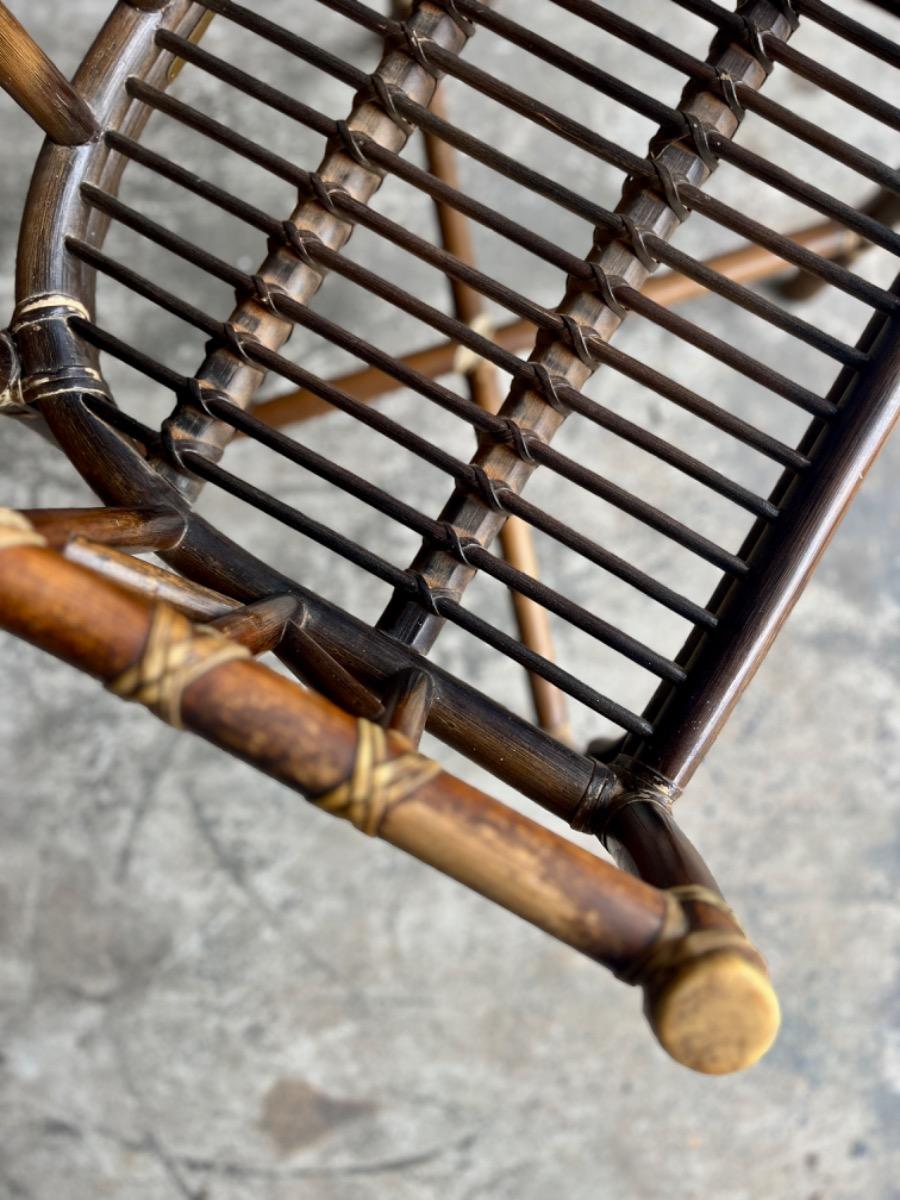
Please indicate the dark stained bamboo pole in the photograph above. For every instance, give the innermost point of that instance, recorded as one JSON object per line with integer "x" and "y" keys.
{"x": 40, "y": 88}
{"x": 749, "y": 264}
{"x": 259, "y": 626}
{"x": 147, "y": 579}
{"x": 199, "y": 680}
{"x": 516, "y": 538}
{"x": 812, "y": 505}
{"x": 138, "y": 529}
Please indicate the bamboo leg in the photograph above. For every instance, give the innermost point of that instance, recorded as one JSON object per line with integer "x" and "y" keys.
{"x": 714, "y": 968}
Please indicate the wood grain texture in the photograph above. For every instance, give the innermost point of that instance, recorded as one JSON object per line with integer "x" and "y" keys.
{"x": 40, "y": 88}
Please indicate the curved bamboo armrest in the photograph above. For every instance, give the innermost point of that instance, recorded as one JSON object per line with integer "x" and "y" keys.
{"x": 40, "y": 88}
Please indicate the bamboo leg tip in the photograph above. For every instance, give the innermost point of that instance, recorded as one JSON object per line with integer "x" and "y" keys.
{"x": 716, "y": 1014}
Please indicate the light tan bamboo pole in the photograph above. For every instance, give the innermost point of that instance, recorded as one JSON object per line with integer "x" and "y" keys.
{"x": 706, "y": 991}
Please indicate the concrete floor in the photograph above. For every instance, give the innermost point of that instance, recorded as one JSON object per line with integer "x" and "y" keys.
{"x": 207, "y": 990}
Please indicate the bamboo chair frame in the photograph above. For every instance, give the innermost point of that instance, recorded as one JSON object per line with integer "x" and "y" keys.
{"x": 181, "y": 638}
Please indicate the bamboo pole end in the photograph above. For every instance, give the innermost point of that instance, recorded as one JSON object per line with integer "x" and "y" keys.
{"x": 717, "y": 1014}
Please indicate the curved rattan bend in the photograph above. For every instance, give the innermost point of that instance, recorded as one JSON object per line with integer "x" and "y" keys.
{"x": 684, "y": 946}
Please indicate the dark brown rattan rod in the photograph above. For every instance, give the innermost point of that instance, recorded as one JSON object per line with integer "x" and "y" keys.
{"x": 670, "y": 288}
{"x": 404, "y": 581}
{"x": 721, "y": 667}
{"x": 750, "y": 99}
{"x": 439, "y": 191}
{"x": 606, "y": 419}
{"x": 588, "y": 139}
{"x": 481, "y": 381}
{"x": 888, "y": 6}
{"x": 492, "y": 490}
{"x": 512, "y": 169}
{"x": 850, "y": 30}
{"x": 508, "y": 362}
{"x": 845, "y": 89}
{"x": 529, "y": 447}
{"x": 40, "y": 88}
{"x": 439, "y": 458}
{"x": 716, "y": 347}
{"x": 700, "y": 273}
{"x": 445, "y": 536}
{"x": 674, "y": 122}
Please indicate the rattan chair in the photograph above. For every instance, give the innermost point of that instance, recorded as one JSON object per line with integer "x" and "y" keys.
{"x": 183, "y": 638}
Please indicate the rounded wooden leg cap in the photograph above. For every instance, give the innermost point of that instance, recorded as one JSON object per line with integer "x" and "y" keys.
{"x": 717, "y": 1013}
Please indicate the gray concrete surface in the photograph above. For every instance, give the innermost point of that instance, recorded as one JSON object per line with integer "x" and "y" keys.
{"x": 207, "y": 990}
